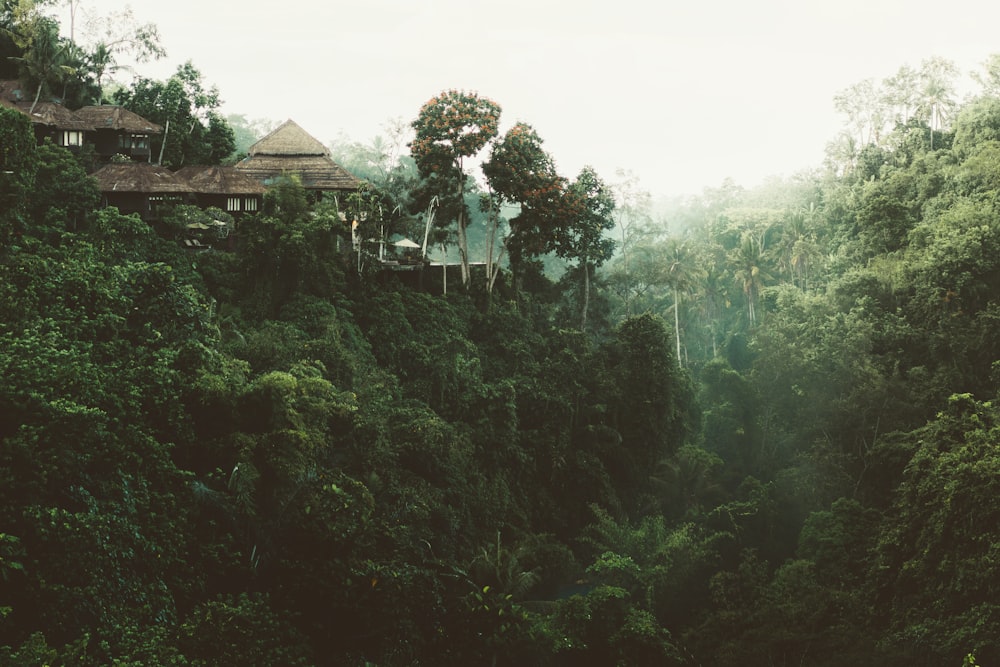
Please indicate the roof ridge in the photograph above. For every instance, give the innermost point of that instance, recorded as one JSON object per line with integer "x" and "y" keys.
{"x": 289, "y": 139}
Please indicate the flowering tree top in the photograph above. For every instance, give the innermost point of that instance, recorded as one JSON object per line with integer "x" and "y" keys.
{"x": 452, "y": 126}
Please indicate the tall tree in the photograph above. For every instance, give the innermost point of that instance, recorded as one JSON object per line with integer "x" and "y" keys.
{"x": 865, "y": 108}
{"x": 451, "y": 128}
{"x": 521, "y": 173}
{"x": 111, "y": 39}
{"x": 194, "y": 131}
{"x": 988, "y": 77}
{"x": 681, "y": 274}
{"x": 383, "y": 161}
{"x": 713, "y": 297}
{"x": 797, "y": 247}
{"x": 937, "y": 90}
{"x": 10, "y": 48}
{"x": 632, "y": 206}
{"x": 583, "y": 234}
{"x": 751, "y": 273}
{"x": 902, "y": 94}
{"x": 841, "y": 154}
{"x": 46, "y": 62}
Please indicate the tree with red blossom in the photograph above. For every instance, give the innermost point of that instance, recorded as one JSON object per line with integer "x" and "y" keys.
{"x": 450, "y": 128}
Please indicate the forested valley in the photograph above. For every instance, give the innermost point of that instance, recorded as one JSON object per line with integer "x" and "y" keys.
{"x": 755, "y": 428}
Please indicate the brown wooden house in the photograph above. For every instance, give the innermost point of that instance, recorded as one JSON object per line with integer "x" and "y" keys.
{"x": 50, "y": 120}
{"x": 118, "y": 131}
{"x": 291, "y": 150}
{"x": 227, "y": 188}
{"x": 140, "y": 187}
{"x": 110, "y": 129}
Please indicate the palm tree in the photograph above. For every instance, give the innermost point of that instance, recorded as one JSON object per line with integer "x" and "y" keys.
{"x": 45, "y": 58}
{"x": 749, "y": 258}
{"x": 798, "y": 247}
{"x": 712, "y": 302}
{"x": 866, "y": 109}
{"x": 687, "y": 482}
{"x": 937, "y": 88}
{"x": 102, "y": 62}
{"x": 500, "y": 567}
{"x": 841, "y": 154}
{"x": 681, "y": 274}
{"x": 902, "y": 93}
{"x": 632, "y": 207}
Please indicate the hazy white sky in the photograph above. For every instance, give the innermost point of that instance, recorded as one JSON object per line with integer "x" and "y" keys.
{"x": 684, "y": 94}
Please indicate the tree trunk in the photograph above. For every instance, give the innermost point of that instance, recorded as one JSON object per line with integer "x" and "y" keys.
{"x": 73, "y": 4}
{"x": 628, "y": 308}
{"x": 38, "y": 94}
{"x": 463, "y": 239}
{"x": 444, "y": 270}
{"x": 493, "y": 265}
{"x": 677, "y": 324}
{"x": 163, "y": 145}
{"x": 431, "y": 211}
{"x": 491, "y": 239}
{"x": 492, "y": 277}
{"x": 463, "y": 250}
{"x": 586, "y": 296}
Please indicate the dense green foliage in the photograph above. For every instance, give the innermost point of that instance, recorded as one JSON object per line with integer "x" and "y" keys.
{"x": 280, "y": 455}
{"x": 18, "y": 167}
{"x": 73, "y": 71}
{"x": 194, "y": 131}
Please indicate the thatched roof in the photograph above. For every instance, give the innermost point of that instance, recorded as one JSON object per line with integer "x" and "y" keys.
{"x": 288, "y": 139}
{"x": 110, "y": 116}
{"x": 114, "y": 117}
{"x": 14, "y": 96}
{"x": 55, "y": 115}
{"x": 318, "y": 172}
{"x": 139, "y": 177}
{"x": 291, "y": 150}
{"x": 219, "y": 180}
